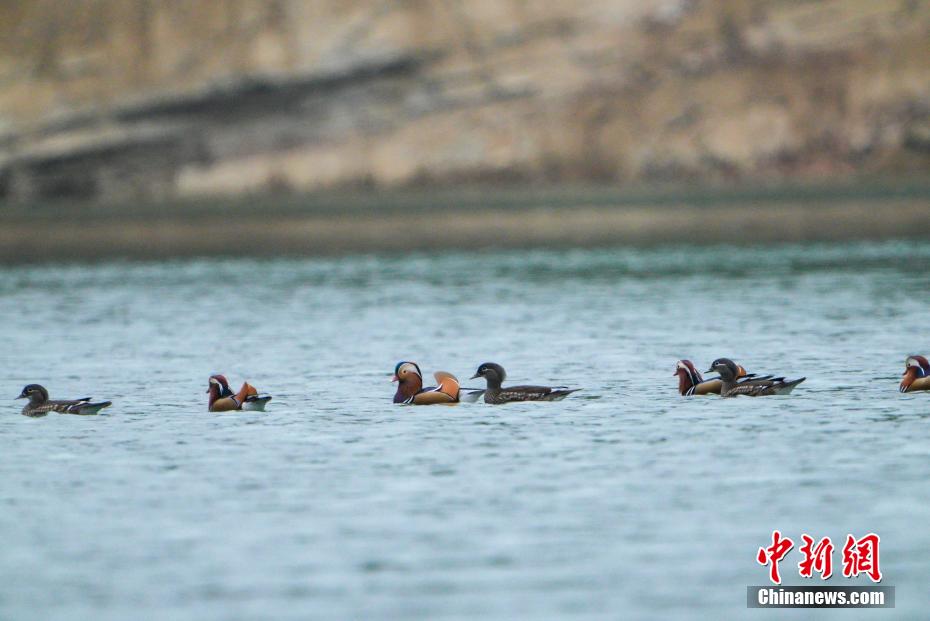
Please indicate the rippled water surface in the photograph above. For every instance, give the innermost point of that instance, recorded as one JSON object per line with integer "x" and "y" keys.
{"x": 624, "y": 501}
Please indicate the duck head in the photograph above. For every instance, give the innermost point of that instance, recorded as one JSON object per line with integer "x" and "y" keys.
{"x": 218, "y": 387}
{"x": 409, "y": 380}
{"x": 35, "y": 393}
{"x": 727, "y": 369}
{"x": 688, "y": 376}
{"x": 915, "y": 367}
{"x": 492, "y": 372}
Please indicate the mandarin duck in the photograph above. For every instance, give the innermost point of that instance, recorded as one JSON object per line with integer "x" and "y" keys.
{"x": 494, "y": 375}
{"x": 916, "y": 374}
{"x": 691, "y": 382}
{"x": 40, "y": 405}
{"x": 222, "y": 399}
{"x": 732, "y": 386}
{"x": 410, "y": 389}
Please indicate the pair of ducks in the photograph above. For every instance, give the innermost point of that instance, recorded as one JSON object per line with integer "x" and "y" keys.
{"x": 733, "y": 381}
{"x": 222, "y": 399}
{"x": 410, "y": 390}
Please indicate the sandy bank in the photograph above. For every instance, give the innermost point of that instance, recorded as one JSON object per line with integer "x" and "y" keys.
{"x": 73, "y": 236}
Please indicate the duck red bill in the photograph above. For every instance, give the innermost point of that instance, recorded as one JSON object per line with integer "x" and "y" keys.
{"x": 858, "y": 558}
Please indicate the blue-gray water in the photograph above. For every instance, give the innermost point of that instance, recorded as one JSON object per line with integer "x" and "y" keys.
{"x": 624, "y": 501}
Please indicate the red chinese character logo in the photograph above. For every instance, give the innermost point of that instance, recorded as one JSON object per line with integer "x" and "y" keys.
{"x": 819, "y": 558}
{"x": 774, "y": 553}
{"x": 862, "y": 557}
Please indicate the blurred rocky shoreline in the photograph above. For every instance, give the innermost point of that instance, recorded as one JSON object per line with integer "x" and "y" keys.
{"x": 461, "y": 220}
{"x": 119, "y": 101}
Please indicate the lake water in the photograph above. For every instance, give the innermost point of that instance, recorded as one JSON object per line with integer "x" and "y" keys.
{"x": 623, "y": 501}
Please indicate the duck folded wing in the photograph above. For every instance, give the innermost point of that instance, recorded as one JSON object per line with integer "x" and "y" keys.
{"x": 748, "y": 389}
{"x": 759, "y": 380}
{"x": 766, "y": 387}
{"x": 755, "y": 377}
{"x": 432, "y": 397}
{"x": 534, "y": 393}
{"x": 447, "y": 384}
{"x": 525, "y": 393}
{"x": 447, "y": 391}
{"x": 785, "y": 388}
{"x": 82, "y": 407}
{"x": 558, "y": 395}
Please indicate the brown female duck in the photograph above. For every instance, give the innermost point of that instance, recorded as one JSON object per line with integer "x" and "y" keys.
{"x": 495, "y": 375}
{"x": 410, "y": 389}
{"x": 40, "y": 405}
{"x": 222, "y": 399}
{"x": 732, "y": 386}
{"x": 916, "y": 374}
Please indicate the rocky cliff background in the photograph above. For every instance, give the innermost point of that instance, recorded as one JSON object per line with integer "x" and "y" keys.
{"x": 145, "y": 99}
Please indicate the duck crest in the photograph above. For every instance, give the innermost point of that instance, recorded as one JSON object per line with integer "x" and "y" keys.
{"x": 218, "y": 388}
{"x": 409, "y": 380}
{"x": 916, "y": 368}
{"x": 922, "y": 363}
{"x": 688, "y": 377}
{"x": 493, "y": 373}
{"x": 37, "y": 394}
{"x": 400, "y": 365}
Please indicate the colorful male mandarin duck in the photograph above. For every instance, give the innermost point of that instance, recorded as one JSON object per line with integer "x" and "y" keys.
{"x": 494, "y": 374}
{"x": 916, "y": 374}
{"x": 39, "y": 404}
{"x": 222, "y": 398}
{"x": 410, "y": 389}
{"x": 731, "y": 386}
{"x": 691, "y": 382}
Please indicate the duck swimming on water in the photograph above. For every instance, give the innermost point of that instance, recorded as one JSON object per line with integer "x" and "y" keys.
{"x": 222, "y": 399}
{"x": 40, "y": 405}
{"x": 495, "y": 375}
{"x": 691, "y": 382}
{"x": 916, "y": 374}
{"x": 410, "y": 389}
{"x": 731, "y": 386}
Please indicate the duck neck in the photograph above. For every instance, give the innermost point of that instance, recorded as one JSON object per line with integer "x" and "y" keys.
{"x": 728, "y": 381}
{"x": 494, "y": 382}
{"x": 684, "y": 382}
{"x": 407, "y": 389}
